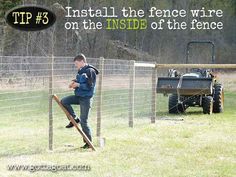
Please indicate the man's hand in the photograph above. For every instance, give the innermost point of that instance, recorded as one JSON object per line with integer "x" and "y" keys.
{"x": 74, "y": 85}
{"x": 70, "y": 85}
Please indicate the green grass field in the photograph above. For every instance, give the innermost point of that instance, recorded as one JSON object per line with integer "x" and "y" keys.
{"x": 199, "y": 146}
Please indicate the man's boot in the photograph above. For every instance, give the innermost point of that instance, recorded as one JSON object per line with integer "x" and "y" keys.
{"x": 71, "y": 125}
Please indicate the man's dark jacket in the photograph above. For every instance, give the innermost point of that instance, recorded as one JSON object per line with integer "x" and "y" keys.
{"x": 86, "y": 77}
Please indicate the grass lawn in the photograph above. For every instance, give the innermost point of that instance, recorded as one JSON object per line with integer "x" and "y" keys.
{"x": 199, "y": 146}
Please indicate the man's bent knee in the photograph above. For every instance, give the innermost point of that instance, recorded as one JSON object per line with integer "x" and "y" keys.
{"x": 63, "y": 101}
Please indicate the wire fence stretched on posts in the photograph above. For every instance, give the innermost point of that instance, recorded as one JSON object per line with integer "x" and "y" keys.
{"x": 124, "y": 93}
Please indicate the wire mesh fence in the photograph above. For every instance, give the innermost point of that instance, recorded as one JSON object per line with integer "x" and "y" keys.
{"x": 125, "y": 94}
{"x": 27, "y": 83}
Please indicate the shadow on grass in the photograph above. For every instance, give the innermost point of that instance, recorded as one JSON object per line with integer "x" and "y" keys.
{"x": 176, "y": 117}
{"x": 194, "y": 113}
{"x": 164, "y": 113}
{"x": 64, "y": 149}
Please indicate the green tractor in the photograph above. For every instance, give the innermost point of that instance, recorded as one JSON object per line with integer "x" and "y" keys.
{"x": 195, "y": 88}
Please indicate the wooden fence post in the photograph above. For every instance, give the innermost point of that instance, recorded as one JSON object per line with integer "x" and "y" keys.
{"x": 154, "y": 95}
{"x": 131, "y": 92}
{"x": 50, "y": 94}
{"x": 50, "y": 112}
{"x": 99, "y": 96}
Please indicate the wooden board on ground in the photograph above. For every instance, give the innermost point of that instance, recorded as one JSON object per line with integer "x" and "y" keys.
{"x": 71, "y": 119}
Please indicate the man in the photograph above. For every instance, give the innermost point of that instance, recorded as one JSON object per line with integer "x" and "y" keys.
{"x": 84, "y": 89}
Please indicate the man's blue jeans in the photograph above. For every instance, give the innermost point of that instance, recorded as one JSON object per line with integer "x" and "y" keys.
{"x": 85, "y": 105}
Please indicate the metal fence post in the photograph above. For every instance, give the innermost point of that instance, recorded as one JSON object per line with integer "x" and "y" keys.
{"x": 154, "y": 95}
{"x": 131, "y": 92}
{"x": 99, "y": 96}
{"x": 50, "y": 113}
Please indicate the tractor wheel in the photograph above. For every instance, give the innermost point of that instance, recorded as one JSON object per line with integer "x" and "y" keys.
{"x": 207, "y": 105}
{"x": 218, "y": 105}
{"x": 174, "y": 106}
